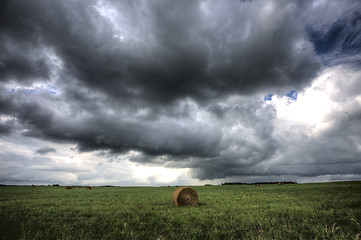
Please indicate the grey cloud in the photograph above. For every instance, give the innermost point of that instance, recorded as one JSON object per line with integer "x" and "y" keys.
{"x": 22, "y": 169}
{"x": 4, "y": 129}
{"x": 31, "y": 113}
{"x": 334, "y": 29}
{"x": 193, "y": 49}
{"x": 324, "y": 14}
{"x": 45, "y": 150}
{"x": 247, "y": 140}
{"x": 22, "y": 64}
{"x": 150, "y": 137}
{"x": 94, "y": 128}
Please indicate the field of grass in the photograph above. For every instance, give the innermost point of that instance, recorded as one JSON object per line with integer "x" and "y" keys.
{"x": 300, "y": 211}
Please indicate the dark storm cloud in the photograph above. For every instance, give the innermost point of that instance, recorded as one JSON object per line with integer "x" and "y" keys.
{"x": 247, "y": 139}
{"x": 94, "y": 128}
{"x": 154, "y": 138}
{"x": 30, "y": 113}
{"x": 171, "y": 49}
{"x": 335, "y": 31}
{"x": 22, "y": 64}
{"x": 181, "y": 82}
{"x": 23, "y": 169}
{"x": 45, "y": 150}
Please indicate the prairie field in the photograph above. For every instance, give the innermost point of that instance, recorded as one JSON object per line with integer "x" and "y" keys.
{"x": 297, "y": 211}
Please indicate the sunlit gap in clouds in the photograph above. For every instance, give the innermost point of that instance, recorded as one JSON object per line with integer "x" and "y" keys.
{"x": 35, "y": 88}
{"x": 178, "y": 92}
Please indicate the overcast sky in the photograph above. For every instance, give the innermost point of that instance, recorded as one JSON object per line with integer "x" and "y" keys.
{"x": 96, "y": 92}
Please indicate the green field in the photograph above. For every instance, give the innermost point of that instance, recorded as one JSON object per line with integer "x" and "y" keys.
{"x": 299, "y": 211}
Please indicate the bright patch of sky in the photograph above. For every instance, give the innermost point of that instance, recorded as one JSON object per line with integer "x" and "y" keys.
{"x": 311, "y": 107}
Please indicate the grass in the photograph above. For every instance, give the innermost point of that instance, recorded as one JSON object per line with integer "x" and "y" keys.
{"x": 302, "y": 211}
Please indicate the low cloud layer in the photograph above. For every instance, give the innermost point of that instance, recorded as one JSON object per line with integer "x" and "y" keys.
{"x": 182, "y": 85}
{"x": 45, "y": 150}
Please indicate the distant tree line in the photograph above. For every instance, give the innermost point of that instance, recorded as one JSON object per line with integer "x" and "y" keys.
{"x": 258, "y": 183}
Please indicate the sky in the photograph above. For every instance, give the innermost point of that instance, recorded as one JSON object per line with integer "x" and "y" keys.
{"x": 160, "y": 92}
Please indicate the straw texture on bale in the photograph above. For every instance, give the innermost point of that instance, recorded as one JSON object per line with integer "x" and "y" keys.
{"x": 184, "y": 196}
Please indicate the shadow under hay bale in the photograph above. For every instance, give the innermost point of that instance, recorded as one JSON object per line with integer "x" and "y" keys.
{"x": 185, "y": 196}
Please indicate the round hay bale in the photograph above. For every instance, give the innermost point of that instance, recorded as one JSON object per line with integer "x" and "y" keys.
{"x": 184, "y": 196}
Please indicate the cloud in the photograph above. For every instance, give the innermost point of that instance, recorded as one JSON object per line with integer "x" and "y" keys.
{"x": 45, "y": 150}
{"x": 174, "y": 57}
{"x": 334, "y": 31}
{"x": 182, "y": 84}
{"x": 4, "y": 129}
{"x": 322, "y": 144}
{"x": 194, "y": 49}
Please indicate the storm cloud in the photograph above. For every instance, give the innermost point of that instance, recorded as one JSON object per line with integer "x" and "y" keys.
{"x": 182, "y": 84}
{"x": 45, "y": 150}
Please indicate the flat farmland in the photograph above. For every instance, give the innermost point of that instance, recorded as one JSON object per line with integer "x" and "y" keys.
{"x": 297, "y": 211}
